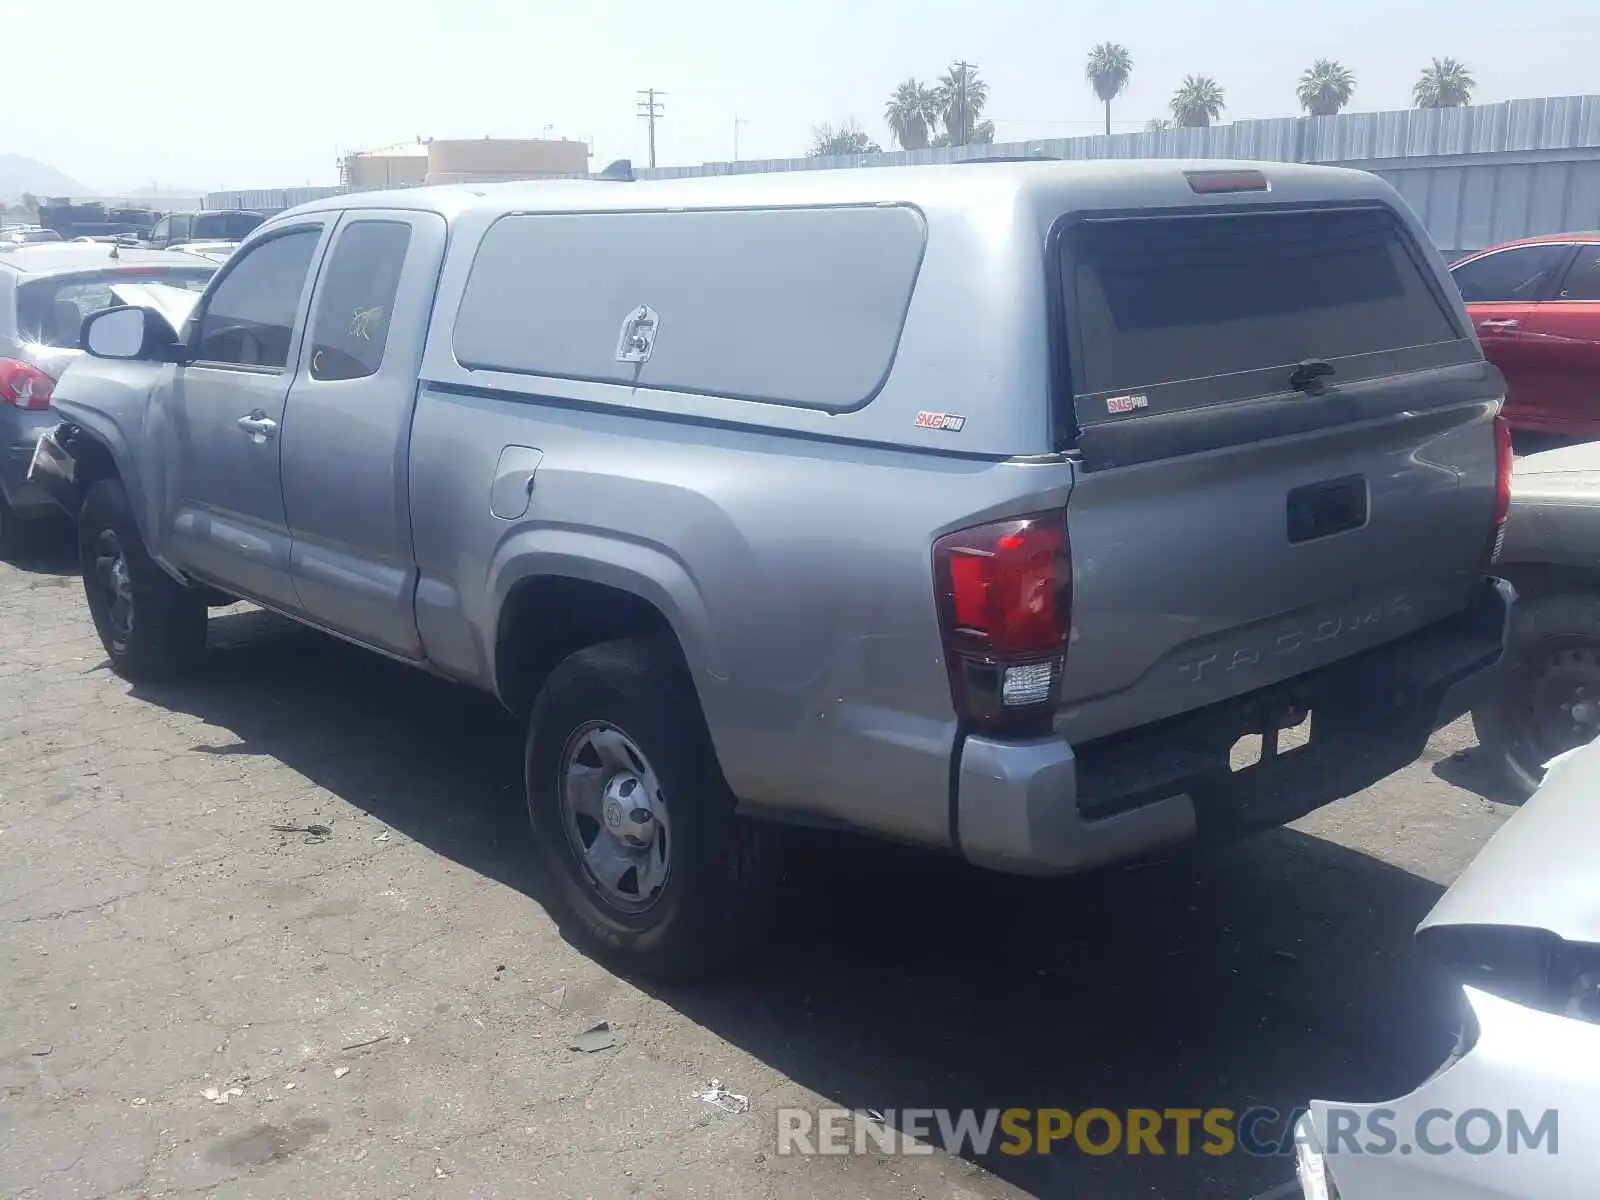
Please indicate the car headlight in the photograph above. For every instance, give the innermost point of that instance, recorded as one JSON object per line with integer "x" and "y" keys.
{"x": 1310, "y": 1164}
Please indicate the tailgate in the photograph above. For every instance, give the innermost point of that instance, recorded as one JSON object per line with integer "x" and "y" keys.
{"x": 1287, "y": 451}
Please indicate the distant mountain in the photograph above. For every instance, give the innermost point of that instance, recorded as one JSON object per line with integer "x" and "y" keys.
{"x": 19, "y": 174}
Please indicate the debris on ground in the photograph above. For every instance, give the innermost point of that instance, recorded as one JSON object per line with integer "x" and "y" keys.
{"x": 139, "y": 1101}
{"x": 599, "y": 1037}
{"x": 340, "y": 1072}
{"x": 382, "y": 1037}
{"x": 1286, "y": 956}
{"x": 220, "y": 1096}
{"x": 45, "y": 1052}
{"x": 727, "y": 1101}
{"x": 382, "y": 837}
{"x": 314, "y": 833}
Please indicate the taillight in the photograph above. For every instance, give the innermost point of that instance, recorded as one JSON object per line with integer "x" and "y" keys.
{"x": 1005, "y": 609}
{"x": 23, "y": 385}
{"x": 1504, "y": 458}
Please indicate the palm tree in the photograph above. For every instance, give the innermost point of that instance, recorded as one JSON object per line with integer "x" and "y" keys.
{"x": 1197, "y": 103}
{"x": 1326, "y": 87}
{"x": 1108, "y": 71}
{"x": 849, "y": 138}
{"x": 911, "y": 114}
{"x": 1157, "y": 124}
{"x": 1445, "y": 83}
{"x": 961, "y": 97}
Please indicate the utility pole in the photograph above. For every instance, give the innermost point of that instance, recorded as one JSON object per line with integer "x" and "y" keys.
{"x": 651, "y": 109}
{"x": 737, "y": 121}
{"x": 965, "y": 68}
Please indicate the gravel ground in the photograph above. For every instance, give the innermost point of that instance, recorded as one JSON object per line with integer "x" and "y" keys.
{"x": 186, "y": 992}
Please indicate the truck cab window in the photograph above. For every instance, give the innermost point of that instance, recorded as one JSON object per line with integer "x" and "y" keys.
{"x": 249, "y": 319}
{"x": 358, "y": 291}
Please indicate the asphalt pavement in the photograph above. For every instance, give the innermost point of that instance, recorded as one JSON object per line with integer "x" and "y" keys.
{"x": 195, "y": 1003}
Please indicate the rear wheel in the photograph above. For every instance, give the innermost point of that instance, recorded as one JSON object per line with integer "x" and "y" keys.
{"x": 1548, "y": 700}
{"x": 649, "y": 862}
{"x": 152, "y": 627}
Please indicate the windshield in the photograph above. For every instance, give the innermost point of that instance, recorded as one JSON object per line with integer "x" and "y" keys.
{"x": 51, "y": 311}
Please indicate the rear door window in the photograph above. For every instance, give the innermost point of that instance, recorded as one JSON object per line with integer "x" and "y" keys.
{"x": 1583, "y": 277}
{"x": 357, "y": 299}
{"x": 1519, "y": 275}
{"x": 1181, "y": 312}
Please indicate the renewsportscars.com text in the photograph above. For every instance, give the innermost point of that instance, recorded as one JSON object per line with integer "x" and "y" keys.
{"x": 1260, "y": 1132}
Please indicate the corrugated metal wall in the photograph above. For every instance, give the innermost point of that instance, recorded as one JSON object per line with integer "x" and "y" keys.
{"x": 1476, "y": 175}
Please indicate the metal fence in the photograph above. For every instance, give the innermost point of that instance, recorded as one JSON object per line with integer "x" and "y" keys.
{"x": 1476, "y": 175}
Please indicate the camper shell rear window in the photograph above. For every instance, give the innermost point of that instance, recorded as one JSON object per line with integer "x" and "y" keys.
{"x": 795, "y": 306}
{"x": 1176, "y": 312}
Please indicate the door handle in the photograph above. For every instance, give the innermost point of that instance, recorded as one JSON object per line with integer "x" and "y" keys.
{"x": 1508, "y": 323}
{"x": 259, "y": 426}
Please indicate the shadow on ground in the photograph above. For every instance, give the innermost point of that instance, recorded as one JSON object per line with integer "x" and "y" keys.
{"x": 1471, "y": 770}
{"x": 1260, "y": 975}
{"x": 48, "y": 548}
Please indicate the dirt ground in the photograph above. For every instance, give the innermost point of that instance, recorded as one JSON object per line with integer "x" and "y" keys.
{"x": 192, "y": 1003}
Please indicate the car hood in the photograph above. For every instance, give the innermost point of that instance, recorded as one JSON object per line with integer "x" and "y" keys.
{"x": 1538, "y": 871}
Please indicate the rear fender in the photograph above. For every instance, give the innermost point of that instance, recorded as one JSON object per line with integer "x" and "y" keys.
{"x": 647, "y": 571}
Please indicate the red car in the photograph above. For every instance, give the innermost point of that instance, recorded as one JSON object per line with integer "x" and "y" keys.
{"x": 1536, "y": 307}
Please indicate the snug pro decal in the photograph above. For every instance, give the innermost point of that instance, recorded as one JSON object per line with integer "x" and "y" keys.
{"x": 1127, "y": 404}
{"x": 949, "y": 422}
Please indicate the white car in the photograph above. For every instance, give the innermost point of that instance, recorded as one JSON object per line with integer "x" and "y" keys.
{"x": 1514, "y": 1114}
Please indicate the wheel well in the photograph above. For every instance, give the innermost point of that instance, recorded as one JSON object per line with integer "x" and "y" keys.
{"x": 93, "y": 463}
{"x": 549, "y": 617}
{"x": 1543, "y": 579}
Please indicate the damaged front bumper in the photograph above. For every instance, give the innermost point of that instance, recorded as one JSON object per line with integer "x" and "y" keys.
{"x": 53, "y": 467}
{"x": 1513, "y": 1117}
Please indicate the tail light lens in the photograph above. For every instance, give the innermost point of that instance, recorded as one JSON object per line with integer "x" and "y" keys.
{"x": 23, "y": 385}
{"x": 1005, "y": 610}
{"x": 1504, "y": 457}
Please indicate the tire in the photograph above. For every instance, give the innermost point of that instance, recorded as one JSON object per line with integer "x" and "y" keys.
{"x": 708, "y": 903}
{"x": 1555, "y": 641}
{"x": 162, "y": 631}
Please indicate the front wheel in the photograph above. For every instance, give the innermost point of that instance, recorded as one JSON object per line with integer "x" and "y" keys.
{"x": 637, "y": 828}
{"x": 152, "y": 627}
{"x": 1548, "y": 698}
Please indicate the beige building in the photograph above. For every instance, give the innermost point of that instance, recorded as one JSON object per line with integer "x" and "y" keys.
{"x": 463, "y": 160}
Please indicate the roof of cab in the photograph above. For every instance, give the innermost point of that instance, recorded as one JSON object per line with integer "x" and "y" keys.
{"x": 1158, "y": 181}
{"x": 65, "y": 258}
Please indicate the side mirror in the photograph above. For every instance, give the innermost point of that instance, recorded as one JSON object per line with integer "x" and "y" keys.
{"x": 129, "y": 333}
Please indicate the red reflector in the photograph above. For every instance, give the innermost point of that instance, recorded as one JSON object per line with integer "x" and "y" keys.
{"x": 23, "y": 385}
{"x": 1208, "y": 183}
{"x": 1504, "y": 458}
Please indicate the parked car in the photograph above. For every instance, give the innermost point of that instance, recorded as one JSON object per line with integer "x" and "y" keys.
{"x": 207, "y": 226}
{"x": 45, "y": 294}
{"x": 803, "y": 498}
{"x": 1536, "y": 307}
{"x": 28, "y": 237}
{"x": 1548, "y": 697}
{"x": 1511, "y": 1114}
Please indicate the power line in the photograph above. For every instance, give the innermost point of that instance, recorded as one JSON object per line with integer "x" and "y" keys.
{"x": 652, "y": 110}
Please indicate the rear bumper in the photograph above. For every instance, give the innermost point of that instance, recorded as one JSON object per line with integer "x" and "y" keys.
{"x": 1045, "y": 807}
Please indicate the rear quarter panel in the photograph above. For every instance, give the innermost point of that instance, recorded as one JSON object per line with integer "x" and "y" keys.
{"x": 796, "y": 573}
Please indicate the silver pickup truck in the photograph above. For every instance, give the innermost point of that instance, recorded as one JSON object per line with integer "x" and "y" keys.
{"x": 984, "y": 507}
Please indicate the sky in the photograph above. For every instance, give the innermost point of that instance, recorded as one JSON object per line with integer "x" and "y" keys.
{"x": 269, "y": 95}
